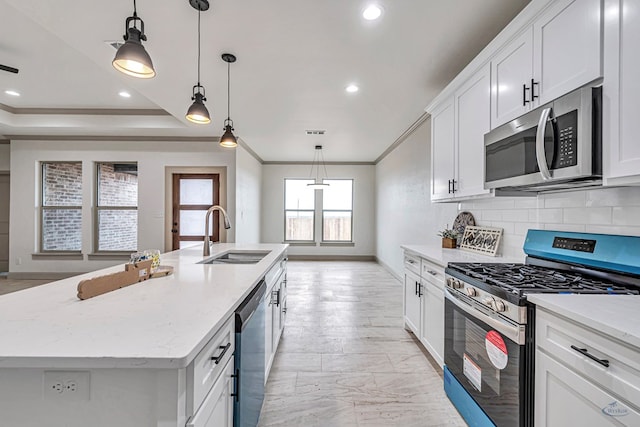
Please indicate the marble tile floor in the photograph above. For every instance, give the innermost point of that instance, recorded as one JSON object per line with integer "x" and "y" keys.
{"x": 345, "y": 358}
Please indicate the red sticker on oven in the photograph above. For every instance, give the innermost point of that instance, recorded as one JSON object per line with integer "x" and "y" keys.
{"x": 496, "y": 349}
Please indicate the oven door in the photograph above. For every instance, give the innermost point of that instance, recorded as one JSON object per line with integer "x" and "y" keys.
{"x": 488, "y": 357}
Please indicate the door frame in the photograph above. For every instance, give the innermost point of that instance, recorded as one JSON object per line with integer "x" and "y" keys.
{"x": 168, "y": 201}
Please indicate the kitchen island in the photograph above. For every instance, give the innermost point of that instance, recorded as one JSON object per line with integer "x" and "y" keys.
{"x": 130, "y": 353}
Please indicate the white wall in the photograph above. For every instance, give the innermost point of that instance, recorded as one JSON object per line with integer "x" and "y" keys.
{"x": 152, "y": 158}
{"x": 405, "y": 214}
{"x": 363, "y": 207}
{"x": 602, "y": 210}
{"x": 5, "y": 157}
{"x": 248, "y": 197}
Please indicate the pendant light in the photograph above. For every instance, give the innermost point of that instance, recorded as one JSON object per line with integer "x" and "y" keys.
{"x": 198, "y": 112}
{"x": 131, "y": 58}
{"x": 228, "y": 139}
{"x": 319, "y": 183}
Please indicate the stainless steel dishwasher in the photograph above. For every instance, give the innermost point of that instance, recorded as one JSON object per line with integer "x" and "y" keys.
{"x": 249, "y": 358}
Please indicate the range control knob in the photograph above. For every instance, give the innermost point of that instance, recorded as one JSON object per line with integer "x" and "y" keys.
{"x": 472, "y": 292}
{"x": 488, "y": 301}
{"x": 499, "y": 306}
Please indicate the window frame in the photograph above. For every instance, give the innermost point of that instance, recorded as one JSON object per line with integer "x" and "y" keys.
{"x": 97, "y": 209}
{"x": 323, "y": 210}
{"x": 313, "y": 211}
{"x": 43, "y": 208}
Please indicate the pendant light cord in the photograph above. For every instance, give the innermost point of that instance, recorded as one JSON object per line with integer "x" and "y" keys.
{"x": 135, "y": 14}
{"x": 228, "y": 91}
{"x": 199, "y": 10}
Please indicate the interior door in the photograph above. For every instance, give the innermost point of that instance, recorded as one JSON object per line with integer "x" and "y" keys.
{"x": 193, "y": 194}
{"x": 4, "y": 222}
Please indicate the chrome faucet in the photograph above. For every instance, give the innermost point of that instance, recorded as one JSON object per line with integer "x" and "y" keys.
{"x": 227, "y": 225}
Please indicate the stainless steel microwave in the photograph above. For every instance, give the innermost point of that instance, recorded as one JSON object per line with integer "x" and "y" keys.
{"x": 557, "y": 146}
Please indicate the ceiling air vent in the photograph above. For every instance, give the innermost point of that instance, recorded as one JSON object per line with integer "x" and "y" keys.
{"x": 315, "y": 132}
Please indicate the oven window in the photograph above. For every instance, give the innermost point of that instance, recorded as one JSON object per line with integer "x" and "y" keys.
{"x": 488, "y": 365}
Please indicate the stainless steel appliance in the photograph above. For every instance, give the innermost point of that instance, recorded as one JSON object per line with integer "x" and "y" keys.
{"x": 489, "y": 325}
{"x": 556, "y": 146}
{"x": 249, "y": 358}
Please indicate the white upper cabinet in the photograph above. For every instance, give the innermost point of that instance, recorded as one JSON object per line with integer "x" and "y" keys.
{"x": 567, "y": 48}
{"x": 561, "y": 51}
{"x": 511, "y": 72}
{"x": 472, "y": 119}
{"x": 622, "y": 90}
{"x": 442, "y": 151}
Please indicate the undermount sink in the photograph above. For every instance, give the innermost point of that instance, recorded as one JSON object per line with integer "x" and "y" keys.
{"x": 236, "y": 257}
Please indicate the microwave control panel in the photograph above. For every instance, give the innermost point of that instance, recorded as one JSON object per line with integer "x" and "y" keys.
{"x": 567, "y": 140}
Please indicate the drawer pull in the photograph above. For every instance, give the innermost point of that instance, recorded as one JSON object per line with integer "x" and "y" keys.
{"x": 410, "y": 261}
{"x": 217, "y": 359}
{"x": 585, "y": 352}
{"x": 431, "y": 272}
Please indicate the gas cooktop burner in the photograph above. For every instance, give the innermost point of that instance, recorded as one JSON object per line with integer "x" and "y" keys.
{"x": 521, "y": 279}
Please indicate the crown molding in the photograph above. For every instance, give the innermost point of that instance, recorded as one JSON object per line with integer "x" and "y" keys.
{"x": 86, "y": 111}
{"x": 406, "y": 134}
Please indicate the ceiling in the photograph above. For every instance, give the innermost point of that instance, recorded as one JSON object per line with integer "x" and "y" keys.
{"x": 295, "y": 58}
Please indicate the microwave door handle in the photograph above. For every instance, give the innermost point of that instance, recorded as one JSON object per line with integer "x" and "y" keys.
{"x": 541, "y": 157}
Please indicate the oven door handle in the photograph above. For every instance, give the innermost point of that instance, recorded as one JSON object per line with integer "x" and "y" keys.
{"x": 541, "y": 157}
{"x": 514, "y": 332}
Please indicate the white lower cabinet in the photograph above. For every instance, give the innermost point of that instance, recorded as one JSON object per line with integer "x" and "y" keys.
{"x": 275, "y": 313}
{"x": 423, "y": 303}
{"x": 217, "y": 408}
{"x": 583, "y": 377}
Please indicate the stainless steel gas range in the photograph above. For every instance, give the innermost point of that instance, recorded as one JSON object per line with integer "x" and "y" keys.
{"x": 490, "y": 326}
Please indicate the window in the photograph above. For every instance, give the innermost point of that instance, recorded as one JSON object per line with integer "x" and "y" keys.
{"x": 117, "y": 207}
{"x": 334, "y": 204}
{"x": 61, "y": 207}
{"x": 337, "y": 210}
{"x": 299, "y": 210}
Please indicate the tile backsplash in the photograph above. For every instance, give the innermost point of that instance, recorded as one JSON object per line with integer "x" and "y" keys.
{"x": 603, "y": 210}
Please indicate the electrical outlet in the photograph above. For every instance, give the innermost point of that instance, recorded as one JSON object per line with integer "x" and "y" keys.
{"x": 69, "y": 386}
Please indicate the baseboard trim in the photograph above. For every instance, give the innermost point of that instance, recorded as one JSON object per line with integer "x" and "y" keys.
{"x": 389, "y": 270}
{"x": 331, "y": 257}
{"x": 41, "y": 275}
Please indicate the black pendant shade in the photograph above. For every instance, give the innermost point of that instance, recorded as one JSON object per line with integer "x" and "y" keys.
{"x": 197, "y": 112}
{"x": 228, "y": 139}
{"x": 132, "y": 58}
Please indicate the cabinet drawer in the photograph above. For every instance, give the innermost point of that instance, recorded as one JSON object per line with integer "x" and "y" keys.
{"x": 208, "y": 364}
{"x": 433, "y": 273}
{"x": 556, "y": 336}
{"x": 412, "y": 263}
{"x": 217, "y": 408}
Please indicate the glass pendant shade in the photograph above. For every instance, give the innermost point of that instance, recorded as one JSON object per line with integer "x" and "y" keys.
{"x": 318, "y": 185}
{"x": 198, "y": 112}
{"x": 318, "y": 160}
{"x": 132, "y": 58}
{"x": 228, "y": 139}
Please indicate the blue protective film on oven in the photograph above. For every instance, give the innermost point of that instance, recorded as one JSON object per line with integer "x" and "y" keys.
{"x": 464, "y": 403}
{"x": 602, "y": 251}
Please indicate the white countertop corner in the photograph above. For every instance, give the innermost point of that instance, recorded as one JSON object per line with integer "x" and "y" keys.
{"x": 441, "y": 256}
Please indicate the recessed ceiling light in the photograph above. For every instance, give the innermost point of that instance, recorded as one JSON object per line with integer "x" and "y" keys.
{"x": 372, "y": 12}
{"x": 124, "y": 94}
{"x": 12, "y": 92}
{"x": 352, "y": 88}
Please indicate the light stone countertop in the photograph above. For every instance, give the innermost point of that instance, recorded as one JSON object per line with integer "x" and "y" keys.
{"x": 437, "y": 254}
{"x": 617, "y": 316}
{"x": 159, "y": 323}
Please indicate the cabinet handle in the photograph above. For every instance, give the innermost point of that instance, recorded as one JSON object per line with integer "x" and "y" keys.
{"x": 416, "y": 288}
{"x": 431, "y": 272}
{"x": 453, "y": 185}
{"x": 218, "y": 358}
{"x": 533, "y": 92}
{"x": 236, "y": 384}
{"x": 585, "y": 352}
{"x": 419, "y": 290}
{"x": 275, "y": 298}
{"x": 449, "y": 186}
{"x": 525, "y": 101}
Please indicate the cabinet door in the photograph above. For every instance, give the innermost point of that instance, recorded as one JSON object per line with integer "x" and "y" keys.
{"x": 622, "y": 88}
{"x": 217, "y": 408}
{"x": 567, "y": 47}
{"x": 472, "y": 118}
{"x": 442, "y": 151}
{"x": 511, "y": 71}
{"x": 564, "y": 398}
{"x": 412, "y": 301}
{"x": 433, "y": 321}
